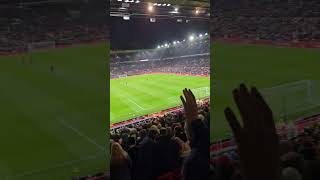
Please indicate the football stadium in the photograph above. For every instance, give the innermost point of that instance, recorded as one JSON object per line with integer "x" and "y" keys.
{"x": 260, "y": 44}
{"x": 157, "y": 50}
{"x": 53, "y": 94}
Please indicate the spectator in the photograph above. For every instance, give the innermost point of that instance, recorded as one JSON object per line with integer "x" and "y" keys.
{"x": 120, "y": 164}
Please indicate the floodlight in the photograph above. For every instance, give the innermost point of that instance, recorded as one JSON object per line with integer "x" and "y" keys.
{"x": 126, "y": 17}
{"x": 176, "y": 9}
{"x": 168, "y": 4}
{"x": 191, "y": 38}
{"x": 197, "y": 11}
{"x": 158, "y": 47}
{"x": 119, "y": 0}
{"x": 200, "y": 35}
{"x": 206, "y": 34}
{"x": 164, "y": 4}
{"x": 166, "y": 45}
{"x": 150, "y": 8}
{"x": 174, "y": 42}
{"x": 152, "y": 19}
{"x": 155, "y": 4}
{"x": 137, "y": 1}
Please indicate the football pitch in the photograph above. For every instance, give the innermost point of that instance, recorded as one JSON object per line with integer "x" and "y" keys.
{"x": 287, "y": 77}
{"x": 139, "y": 95}
{"x": 53, "y": 124}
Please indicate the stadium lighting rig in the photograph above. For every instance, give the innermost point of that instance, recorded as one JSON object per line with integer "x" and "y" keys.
{"x": 190, "y": 38}
{"x": 181, "y": 12}
{"x": 150, "y": 8}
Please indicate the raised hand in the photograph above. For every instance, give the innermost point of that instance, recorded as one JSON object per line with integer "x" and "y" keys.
{"x": 256, "y": 138}
{"x": 190, "y": 109}
{"x": 190, "y": 105}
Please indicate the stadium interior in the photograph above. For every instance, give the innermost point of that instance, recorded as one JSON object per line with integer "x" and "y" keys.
{"x": 272, "y": 45}
{"x": 53, "y": 125}
{"x": 156, "y": 51}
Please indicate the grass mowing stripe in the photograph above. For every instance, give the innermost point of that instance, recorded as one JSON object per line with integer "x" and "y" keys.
{"x": 59, "y": 165}
{"x": 261, "y": 66}
{"x": 152, "y": 92}
{"x": 35, "y": 98}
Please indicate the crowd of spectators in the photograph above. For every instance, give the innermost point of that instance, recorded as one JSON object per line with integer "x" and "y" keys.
{"x": 172, "y": 146}
{"x": 288, "y": 20}
{"x": 198, "y": 65}
{"x": 185, "y": 58}
{"x": 61, "y": 22}
{"x": 299, "y": 155}
{"x": 261, "y": 152}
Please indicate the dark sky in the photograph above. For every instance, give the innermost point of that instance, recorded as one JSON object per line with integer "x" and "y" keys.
{"x": 140, "y": 33}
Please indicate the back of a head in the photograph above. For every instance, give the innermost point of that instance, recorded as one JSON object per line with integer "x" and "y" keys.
{"x": 293, "y": 159}
{"x": 118, "y": 155}
{"x": 163, "y": 132}
{"x": 291, "y": 173}
{"x": 152, "y": 133}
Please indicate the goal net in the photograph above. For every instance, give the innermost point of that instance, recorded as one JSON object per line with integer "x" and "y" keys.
{"x": 40, "y": 46}
{"x": 122, "y": 76}
{"x": 201, "y": 93}
{"x": 294, "y": 99}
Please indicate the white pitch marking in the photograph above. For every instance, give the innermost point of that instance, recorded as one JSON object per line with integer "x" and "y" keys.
{"x": 59, "y": 165}
{"x": 135, "y": 104}
{"x": 82, "y": 135}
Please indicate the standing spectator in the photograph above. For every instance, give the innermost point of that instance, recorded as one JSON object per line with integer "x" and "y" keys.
{"x": 120, "y": 163}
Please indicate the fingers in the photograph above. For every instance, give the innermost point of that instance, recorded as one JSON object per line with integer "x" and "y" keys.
{"x": 189, "y": 97}
{"x": 192, "y": 97}
{"x": 183, "y": 101}
{"x": 264, "y": 109}
{"x": 233, "y": 122}
{"x": 253, "y": 108}
{"x": 241, "y": 98}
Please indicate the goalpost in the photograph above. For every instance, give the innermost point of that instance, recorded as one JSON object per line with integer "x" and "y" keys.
{"x": 38, "y": 46}
{"x": 35, "y": 46}
{"x": 295, "y": 98}
{"x": 201, "y": 92}
{"x": 122, "y": 76}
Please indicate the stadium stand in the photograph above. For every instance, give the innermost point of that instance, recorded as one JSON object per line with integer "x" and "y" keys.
{"x": 184, "y": 58}
{"x": 162, "y": 148}
{"x": 61, "y": 22}
{"x": 279, "y": 21}
{"x": 292, "y": 23}
{"x": 64, "y": 23}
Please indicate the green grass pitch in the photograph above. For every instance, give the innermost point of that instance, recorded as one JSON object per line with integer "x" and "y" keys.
{"x": 139, "y": 95}
{"x": 53, "y": 124}
{"x": 262, "y": 66}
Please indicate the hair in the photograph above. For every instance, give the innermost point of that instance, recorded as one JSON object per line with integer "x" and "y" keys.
{"x": 153, "y": 133}
{"x": 118, "y": 155}
{"x": 163, "y": 132}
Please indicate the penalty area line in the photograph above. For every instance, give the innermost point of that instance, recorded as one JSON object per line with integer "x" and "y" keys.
{"x": 64, "y": 123}
{"x": 59, "y": 165}
{"x": 136, "y": 104}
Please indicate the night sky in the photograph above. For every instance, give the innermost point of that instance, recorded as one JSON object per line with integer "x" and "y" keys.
{"x": 140, "y": 33}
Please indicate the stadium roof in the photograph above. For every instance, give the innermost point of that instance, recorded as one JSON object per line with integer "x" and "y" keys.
{"x": 160, "y": 8}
